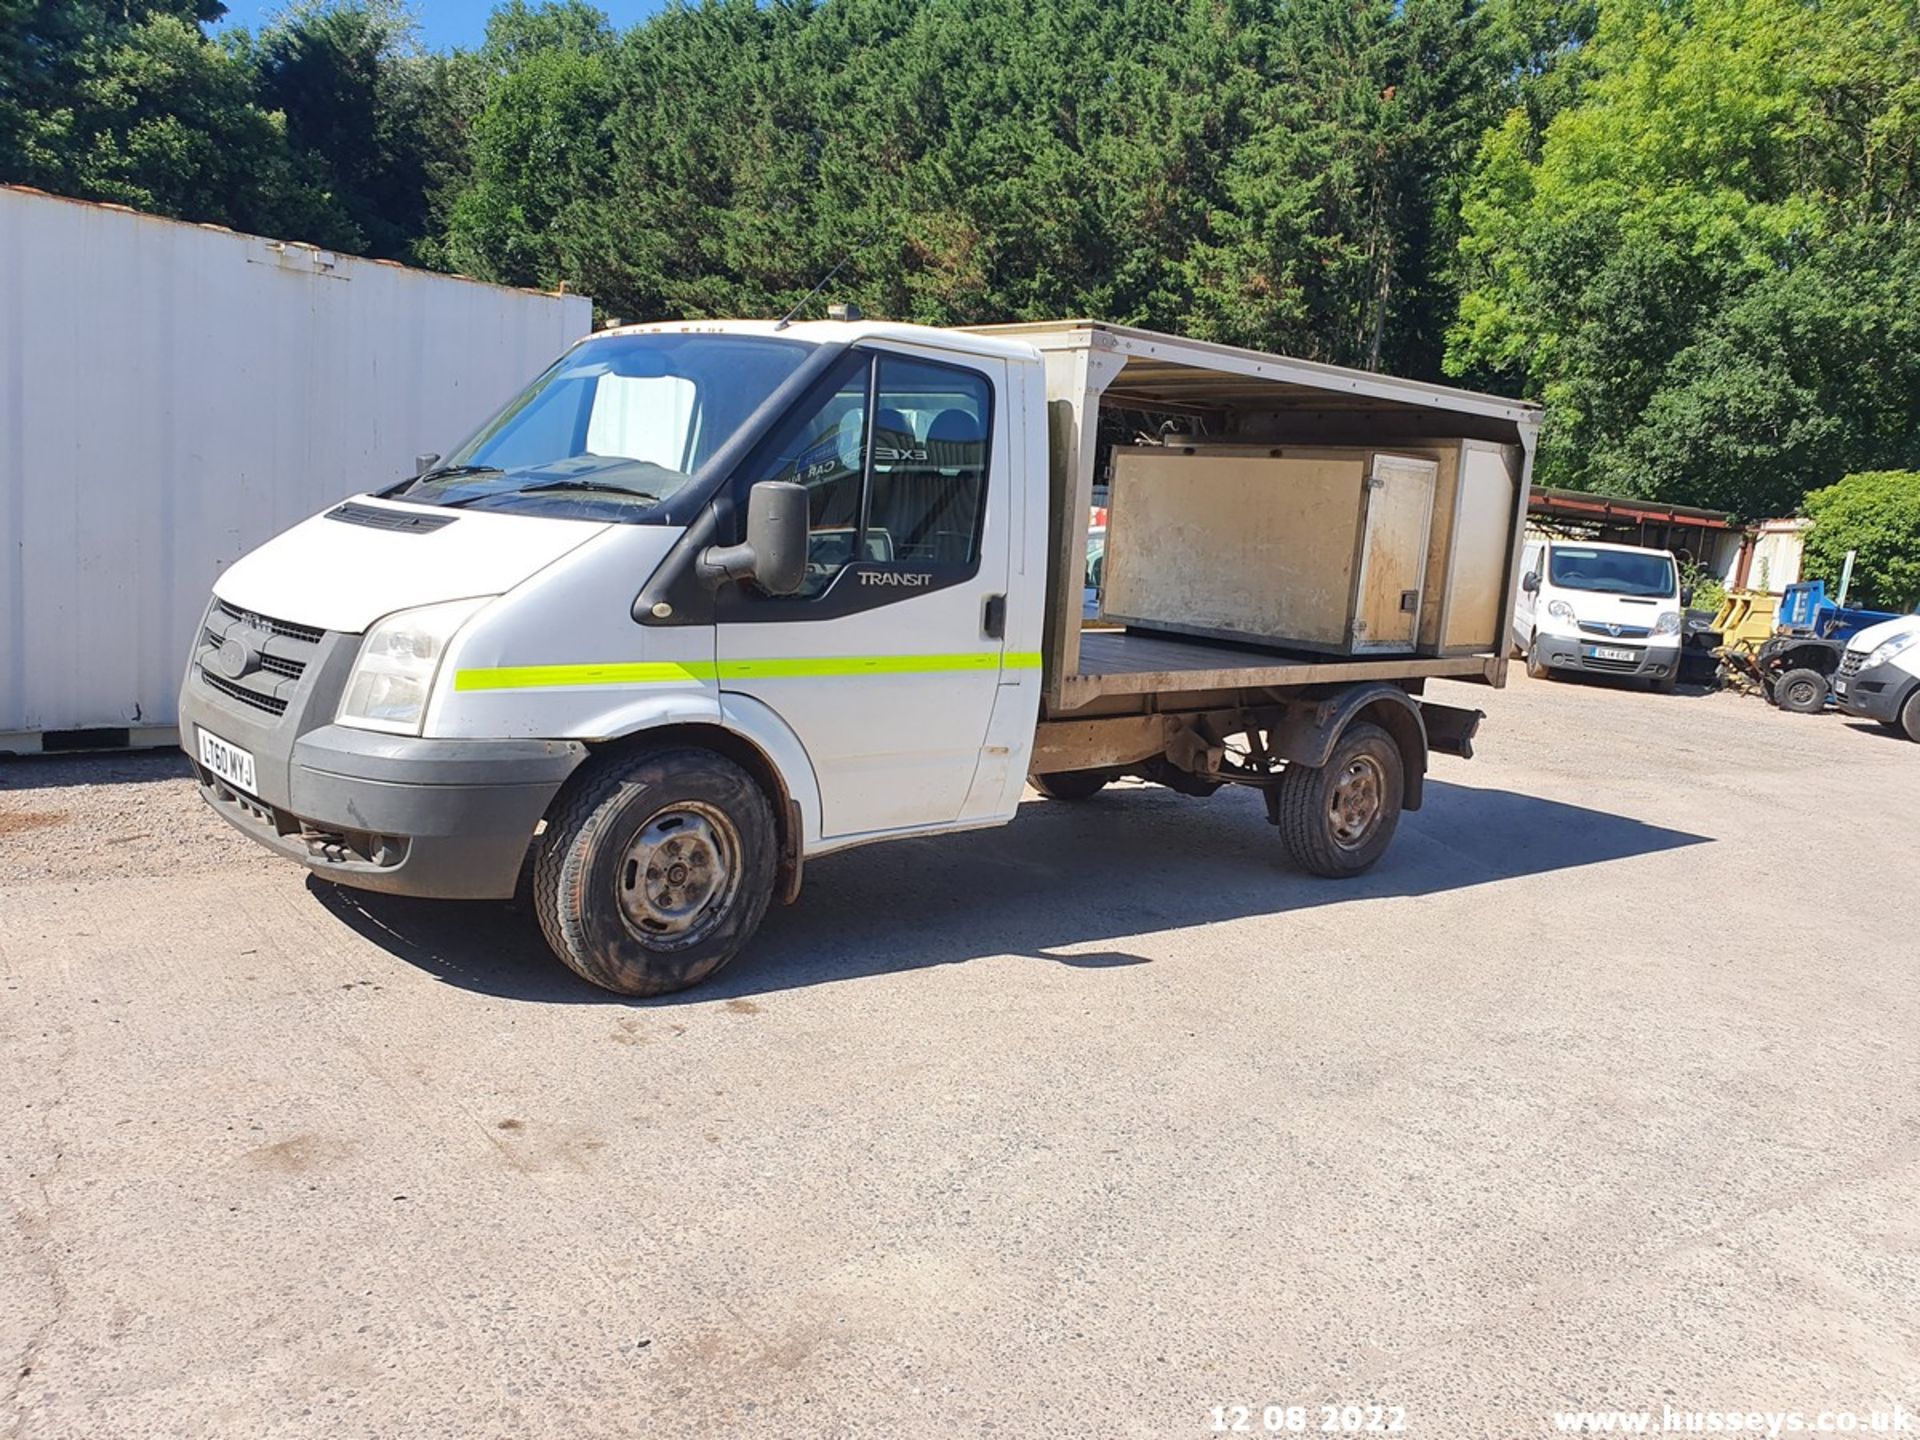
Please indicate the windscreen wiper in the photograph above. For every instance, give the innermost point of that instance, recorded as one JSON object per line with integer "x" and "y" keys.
{"x": 448, "y": 472}
{"x": 600, "y": 486}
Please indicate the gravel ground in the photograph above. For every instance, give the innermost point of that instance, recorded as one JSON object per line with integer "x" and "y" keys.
{"x": 1599, "y": 1092}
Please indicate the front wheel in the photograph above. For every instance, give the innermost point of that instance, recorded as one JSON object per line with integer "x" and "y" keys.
{"x": 655, "y": 869}
{"x": 1802, "y": 691}
{"x": 1337, "y": 819}
{"x": 1910, "y": 716}
{"x": 1537, "y": 669}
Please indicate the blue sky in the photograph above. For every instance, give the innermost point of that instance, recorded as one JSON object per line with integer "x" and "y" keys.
{"x": 443, "y": 23}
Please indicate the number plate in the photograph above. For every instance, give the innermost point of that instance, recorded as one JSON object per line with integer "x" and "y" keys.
{"x": 1601, "y": 652}
{"x": 228, "y": 761}
{"x": 1840, "y": 688}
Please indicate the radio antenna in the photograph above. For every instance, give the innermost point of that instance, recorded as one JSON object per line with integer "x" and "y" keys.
{"x": 825, "y": 280}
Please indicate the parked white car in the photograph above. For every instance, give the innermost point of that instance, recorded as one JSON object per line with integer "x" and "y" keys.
{"x": 1879, "y": 676}
{"x": 1605, "y": 609}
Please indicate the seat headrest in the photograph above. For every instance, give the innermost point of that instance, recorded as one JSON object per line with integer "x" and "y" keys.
{"x": 956, "y": 427}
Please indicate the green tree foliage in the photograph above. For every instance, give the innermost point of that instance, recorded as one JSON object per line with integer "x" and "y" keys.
{"x": 1250, "y": 172}
{"x": 1692, "y": 227}
{"x": 1705, "y": 261}
{"x": 376, "y": 121}
{"x": 1876, "y": 513}
{"x": 131, "y": 102}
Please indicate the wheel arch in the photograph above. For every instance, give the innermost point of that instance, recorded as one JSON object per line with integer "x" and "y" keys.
{"x": 1308, "y": 736}
{"x": 790, "y": 787}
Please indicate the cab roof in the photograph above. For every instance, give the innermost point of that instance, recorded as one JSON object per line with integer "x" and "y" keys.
{"x": 843, "y": 332}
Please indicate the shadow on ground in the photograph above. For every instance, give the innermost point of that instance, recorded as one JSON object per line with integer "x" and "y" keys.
{"x": 1135, "y": 859}
{"x": 86, "y": 767}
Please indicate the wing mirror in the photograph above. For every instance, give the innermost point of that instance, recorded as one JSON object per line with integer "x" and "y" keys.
{"x": 1686, "y": 597}
{"x": 774, "y": 556}
{"x": 1530, "y": 582}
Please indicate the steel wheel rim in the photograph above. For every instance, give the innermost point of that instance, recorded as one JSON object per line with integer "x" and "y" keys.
{"x": 679, "y": 875}
{"x": 1358, "y": 800}
{"x": 1801, "y": 692}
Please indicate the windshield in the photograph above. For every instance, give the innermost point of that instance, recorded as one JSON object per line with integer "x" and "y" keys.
{"x": 615, "y": 428}
{"x": 1612, "y": 572}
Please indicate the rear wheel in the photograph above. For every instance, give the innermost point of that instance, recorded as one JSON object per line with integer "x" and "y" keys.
{"x": 1803, "y": 691}
{"x": 655, "y": 869}
{"x": 1337, "y": 819}
{"x": 1070, "y": 784}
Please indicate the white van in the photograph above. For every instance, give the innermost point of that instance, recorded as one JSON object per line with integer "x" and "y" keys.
{"x": 710, "y": 600}
{"x": 1607, "y": 609}
{"x": 1879, "y": 676}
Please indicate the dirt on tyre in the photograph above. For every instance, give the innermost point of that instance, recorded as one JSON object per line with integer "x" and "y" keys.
{"x": 1070, "y": 784}
{"x": 1802, "y": 691}
{"x": 655, "y": 869}
{"x": 1337, "y": 819}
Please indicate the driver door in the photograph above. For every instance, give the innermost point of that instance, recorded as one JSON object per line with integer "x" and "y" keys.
{"x": 887, "y": 661}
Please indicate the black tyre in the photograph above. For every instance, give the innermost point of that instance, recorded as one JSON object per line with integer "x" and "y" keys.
{"x": 1910, "y": 716}
{"x": 655, "y": 869}
{"x": 1337, "y": 819}
{"x": 1537, "y": 669}
{"x": 1070, "y": 784}
{"x": 1803, "y": 691}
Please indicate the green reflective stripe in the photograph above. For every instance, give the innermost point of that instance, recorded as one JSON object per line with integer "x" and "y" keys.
{"x": 693, "y": 672}
{"x": 856, "y": 665}
{"x": 540, "y": 677}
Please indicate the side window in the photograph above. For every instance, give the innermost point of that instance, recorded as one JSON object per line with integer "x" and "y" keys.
{"x": 929, "y": 463}
{"x": 900, "y": 481}
{"x": 827, "y": 454}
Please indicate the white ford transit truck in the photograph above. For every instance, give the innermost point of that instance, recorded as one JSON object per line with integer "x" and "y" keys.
{"x": 709, "y": 600}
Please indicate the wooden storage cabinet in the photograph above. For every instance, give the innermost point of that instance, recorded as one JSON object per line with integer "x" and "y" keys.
{"x": 1323, "y": 551}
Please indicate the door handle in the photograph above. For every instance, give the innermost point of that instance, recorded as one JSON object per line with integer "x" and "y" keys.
{"x": 993, "y": 619}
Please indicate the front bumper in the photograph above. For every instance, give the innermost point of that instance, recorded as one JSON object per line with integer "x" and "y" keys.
{"x": 1582, "y": 652}
{"x": 451, "y": 819}
{"x": 1875, "y": 694}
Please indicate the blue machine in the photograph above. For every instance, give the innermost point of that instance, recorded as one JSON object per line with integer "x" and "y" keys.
{"x": 1795, "y": 667}
{"x": 1806, "y": 610}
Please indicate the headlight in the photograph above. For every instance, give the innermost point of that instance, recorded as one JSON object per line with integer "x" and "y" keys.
{"x": 1887, "y": 649}
{"x": 392, "y": 676}
{"x": 1668, "y": 623}
{"x": 1560, "y": 610}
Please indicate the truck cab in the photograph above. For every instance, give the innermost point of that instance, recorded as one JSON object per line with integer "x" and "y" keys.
{"x": 708, "y": 600}
{"x": 1879, "y": 676}
{"x": 1603, "y": 609}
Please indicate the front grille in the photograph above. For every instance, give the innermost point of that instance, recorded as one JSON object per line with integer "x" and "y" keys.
{"x": 1621, "y": 667}
{"x": 274, "y": 654}
{"x": 272, "y": 704}
{"x": 286, "y": 629}
{"x": 1851, "y": 662}
{"x": 1624, "y": 632}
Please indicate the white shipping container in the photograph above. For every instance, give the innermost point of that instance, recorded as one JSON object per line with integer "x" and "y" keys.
{"x": 172, "y": 395}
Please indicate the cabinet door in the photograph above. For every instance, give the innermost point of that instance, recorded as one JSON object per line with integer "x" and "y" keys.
{"x": 1393, "y": 554}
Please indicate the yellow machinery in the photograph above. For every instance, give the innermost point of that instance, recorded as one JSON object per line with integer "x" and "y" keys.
{"x": 1745, "y": 621}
